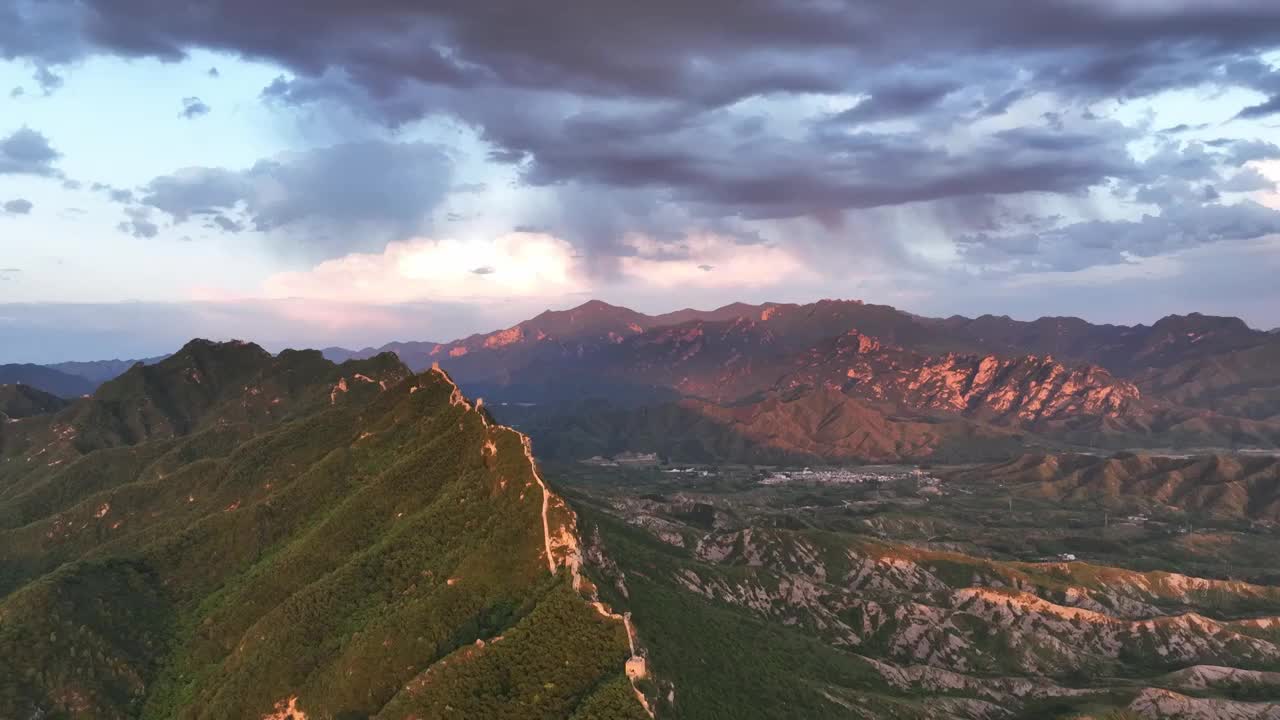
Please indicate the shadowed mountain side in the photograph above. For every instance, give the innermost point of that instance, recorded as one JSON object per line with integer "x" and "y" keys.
{"x": 19, "y": 401}
{"x": 1228, "y": 486}
{"x": 1243, "y": 383}
{"x": 100, "y": 371}
{"x": 1124, "y": 350}
{"x": 812, "y": 426}
{"x": 45, "y": 379}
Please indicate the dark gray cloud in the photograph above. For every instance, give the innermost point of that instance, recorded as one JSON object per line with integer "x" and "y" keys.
{"x": 1247, "y": 180}
{"x": 1263, "y": 109}
{"x": 27, "y": 152}
{"x": 18, "y": 206}
{"x": 1240, "y": 152}
{"x": 331, "y": 200}
{"x": 714, "y": 51}
{"x": 392, "y": 54}
{"x": 1182, "y": 180}
{"x": 905, "y": 97}
{"x": 193, "y": 107}
{"x": 642, "y": 115}
{"x": 1079, "y": 245}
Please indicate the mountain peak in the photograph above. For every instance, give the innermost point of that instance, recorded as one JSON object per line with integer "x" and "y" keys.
{"x": 1201, "y": 321}
{"x": 200, "y": 347}
{"x": 595, "y": 305}
{"x": 590, "y": 316}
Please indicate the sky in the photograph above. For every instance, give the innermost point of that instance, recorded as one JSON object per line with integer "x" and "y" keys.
{"x": 332, "y": 173}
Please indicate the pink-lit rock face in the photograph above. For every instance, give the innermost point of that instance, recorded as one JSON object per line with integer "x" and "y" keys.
{"x": 458, "y": 351}
{"x": 502, "y": 338}
{"x": 1011, "y": 390}
{"x": 1031, "y": 388}
{"x": 286, "y": 710}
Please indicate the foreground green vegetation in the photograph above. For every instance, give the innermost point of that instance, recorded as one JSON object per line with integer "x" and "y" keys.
{"x": 228, "y": 535}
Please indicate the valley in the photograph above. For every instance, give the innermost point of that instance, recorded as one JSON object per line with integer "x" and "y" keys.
{"x": 901, "y": 592}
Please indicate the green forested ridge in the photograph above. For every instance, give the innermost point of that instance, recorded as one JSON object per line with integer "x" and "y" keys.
{"x": 19, "y": 401}
{"x": 226, "y": 534}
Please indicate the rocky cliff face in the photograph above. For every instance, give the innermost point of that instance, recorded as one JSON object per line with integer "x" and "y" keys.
{"x": 1025, "y": 390}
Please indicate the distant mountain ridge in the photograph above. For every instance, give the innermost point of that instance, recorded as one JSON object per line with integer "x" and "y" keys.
{"x": 552, "y": 331}
{"x": 1123, "y": 350}
{"x": 100, "y": 371}
{"x": 1062, "y": 379}
{"x": 45, "y": 379}
{"x": 1184, "y": 380}
{"x": 68, "y": 379}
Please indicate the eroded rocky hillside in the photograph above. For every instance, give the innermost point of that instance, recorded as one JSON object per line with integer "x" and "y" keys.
{"x": 847, "y": 600}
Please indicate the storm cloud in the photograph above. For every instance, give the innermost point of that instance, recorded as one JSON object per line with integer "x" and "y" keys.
{"x": 1005, "y": 130}
{"x": 333, "y": 199}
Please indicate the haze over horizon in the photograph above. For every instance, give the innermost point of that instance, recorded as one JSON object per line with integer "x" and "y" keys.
{"x": 309, "y": 175}
{"x": 455, "y": 320}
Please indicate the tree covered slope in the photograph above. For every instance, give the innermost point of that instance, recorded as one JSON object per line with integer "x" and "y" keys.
{"x": 230, "y": 534}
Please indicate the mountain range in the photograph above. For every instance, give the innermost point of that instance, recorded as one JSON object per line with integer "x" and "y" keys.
{"x": 902, "y": 386}
{"x": 231, "y": 533}
{"x": 68, "y": 379}
{"x": 841, "y": 381}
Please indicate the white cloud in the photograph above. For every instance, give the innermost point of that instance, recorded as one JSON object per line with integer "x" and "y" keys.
{"x": 1270, "y": 169}
{"x": 529, "y": 265}
{"x": 516, "y": 265}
